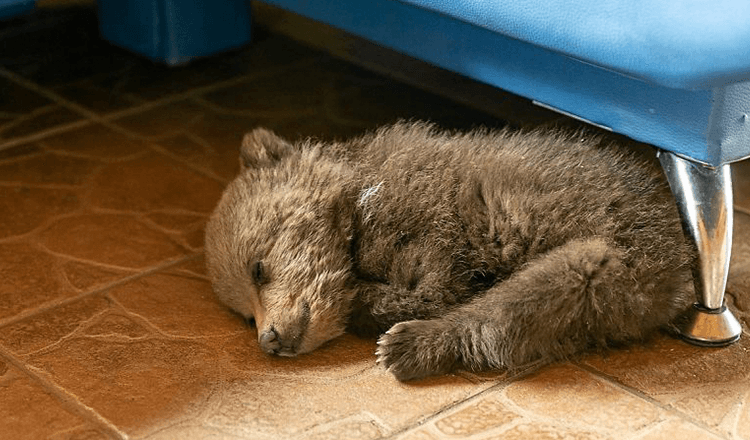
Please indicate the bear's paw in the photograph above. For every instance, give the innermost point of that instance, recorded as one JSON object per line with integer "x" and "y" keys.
{"x": 412, "y": 350}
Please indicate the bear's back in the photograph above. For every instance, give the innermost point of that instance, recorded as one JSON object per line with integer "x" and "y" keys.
{"x": 494, "y": 199}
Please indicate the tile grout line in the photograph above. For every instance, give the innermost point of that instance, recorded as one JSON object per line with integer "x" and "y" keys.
{"x": 109, "y": 122}
{"x": 155, "y": 147}
{"x": 24, "y": 118}
{"x": 49, "y": 94}
{"x": 65, "y": 397}
{"x": 69, "y": 400}
{"x": 39, "y": 135}
{"x": 643, "y": 396}
{"x": 738, "y": 417}
{"x": 107, "y": 119}
{"x": 103, "y": 288}
{"x": 200, "y": 90}
{"x": 498, "y": 385}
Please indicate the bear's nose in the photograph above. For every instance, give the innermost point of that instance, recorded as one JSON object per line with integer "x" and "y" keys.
{"x": 269, "y": 341}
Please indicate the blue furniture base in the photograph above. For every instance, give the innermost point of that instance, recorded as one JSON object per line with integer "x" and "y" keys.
{"x": 12, "y": 8}
{"x": 175, "y": 31}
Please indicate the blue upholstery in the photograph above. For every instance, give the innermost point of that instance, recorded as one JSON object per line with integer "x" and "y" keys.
{"x": 674, "y": 43}
{"x": 11, "y": 8}
{"x": 624, "y": 78}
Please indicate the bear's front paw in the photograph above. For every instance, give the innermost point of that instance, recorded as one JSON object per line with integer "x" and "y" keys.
{"x": 416, "y": 349}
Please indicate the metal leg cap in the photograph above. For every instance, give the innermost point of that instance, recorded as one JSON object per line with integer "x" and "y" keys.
{"x": 710, "y": 327}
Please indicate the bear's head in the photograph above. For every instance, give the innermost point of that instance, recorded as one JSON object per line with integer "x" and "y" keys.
{"x": 278, "y": 244}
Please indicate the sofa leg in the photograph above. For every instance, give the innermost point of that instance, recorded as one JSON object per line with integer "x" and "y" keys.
{"x": 704, "y": 198}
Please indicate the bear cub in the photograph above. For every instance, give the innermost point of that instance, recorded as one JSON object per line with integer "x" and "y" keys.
{"x": 478, "y": 250}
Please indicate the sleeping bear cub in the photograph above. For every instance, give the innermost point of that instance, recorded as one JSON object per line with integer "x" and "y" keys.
{"x": 479, "y": 250}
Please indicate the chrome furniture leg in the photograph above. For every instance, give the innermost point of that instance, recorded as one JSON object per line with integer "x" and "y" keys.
{"x": 704, "y": 198}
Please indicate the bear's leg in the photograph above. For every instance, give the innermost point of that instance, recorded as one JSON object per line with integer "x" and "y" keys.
{"x": 576, "y": 296}
{"x": 378, "y": 306}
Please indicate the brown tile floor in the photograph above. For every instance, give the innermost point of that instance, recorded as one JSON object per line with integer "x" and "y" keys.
{"x": 109, "y": 166}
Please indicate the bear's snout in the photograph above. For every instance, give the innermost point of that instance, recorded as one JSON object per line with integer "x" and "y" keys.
{"x": 272, "y": 342}
{"x": 269, "y": 341}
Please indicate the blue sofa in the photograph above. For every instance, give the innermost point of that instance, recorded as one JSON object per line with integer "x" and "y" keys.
{"x": 671, "y": 73}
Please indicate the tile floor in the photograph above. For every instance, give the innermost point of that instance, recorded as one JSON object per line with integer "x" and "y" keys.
{"x": 109, "y": 166}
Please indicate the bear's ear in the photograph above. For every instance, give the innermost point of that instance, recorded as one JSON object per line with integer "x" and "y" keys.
{"x": 262, "y": 148}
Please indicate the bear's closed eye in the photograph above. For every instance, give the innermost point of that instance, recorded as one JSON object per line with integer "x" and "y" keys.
{"x": 256, "y": 272}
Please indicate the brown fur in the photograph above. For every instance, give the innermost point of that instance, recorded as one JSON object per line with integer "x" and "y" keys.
{"x": 478, "y": 250}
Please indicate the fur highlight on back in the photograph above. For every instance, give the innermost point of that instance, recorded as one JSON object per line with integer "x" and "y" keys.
{"x": 477, "y": 250}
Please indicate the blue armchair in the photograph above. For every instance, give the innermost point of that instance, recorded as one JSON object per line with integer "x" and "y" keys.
{"x": 671, "y": 73}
